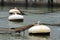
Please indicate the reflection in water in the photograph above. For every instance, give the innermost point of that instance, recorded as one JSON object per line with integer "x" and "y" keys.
{"x": 23, "y": 37}
{"x": 15, "y": 24}
{"x": 50, "y": 18}
{"x": 39, "y": 37}
{"x": 4, "y": 36}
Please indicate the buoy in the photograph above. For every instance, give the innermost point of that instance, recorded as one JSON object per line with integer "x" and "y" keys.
{"x": 16, "y": 18}
{"x": 15, "y": 15}
{"x": 37, "y": 28}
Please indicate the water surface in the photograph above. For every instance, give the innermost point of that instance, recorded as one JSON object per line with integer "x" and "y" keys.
{"x": 31, "y": 17}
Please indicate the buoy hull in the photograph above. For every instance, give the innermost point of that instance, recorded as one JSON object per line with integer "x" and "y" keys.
{"x": 39, "y": 29}
{"x": 18, "y": 20}
{"x": 48, "y": 33}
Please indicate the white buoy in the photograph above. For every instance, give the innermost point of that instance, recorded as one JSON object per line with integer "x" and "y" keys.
{"x": 15, "y": 15}
{"x": 39, "y": 29}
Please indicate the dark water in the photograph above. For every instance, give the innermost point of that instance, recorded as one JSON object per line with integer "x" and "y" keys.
{"x": 31, "y": 17}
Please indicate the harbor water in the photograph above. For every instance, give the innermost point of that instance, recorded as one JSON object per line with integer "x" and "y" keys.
{"x": 33, "y": 14}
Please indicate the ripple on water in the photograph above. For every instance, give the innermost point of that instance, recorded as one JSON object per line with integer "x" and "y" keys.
{"x": 50, "y": 18}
